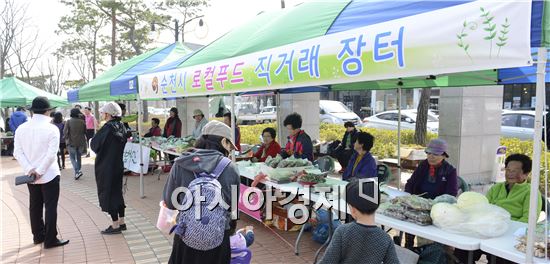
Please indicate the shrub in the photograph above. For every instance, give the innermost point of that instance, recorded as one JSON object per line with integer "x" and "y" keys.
{"x": 251, "y": 134}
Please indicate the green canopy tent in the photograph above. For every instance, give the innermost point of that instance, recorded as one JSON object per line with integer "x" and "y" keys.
{"x": 14, "y": 92}
{"x": 364, "y": 45}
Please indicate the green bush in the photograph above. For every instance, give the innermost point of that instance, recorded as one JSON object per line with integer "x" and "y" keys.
{"x": 385, "y": 144}
{"x": 251, "y": 134}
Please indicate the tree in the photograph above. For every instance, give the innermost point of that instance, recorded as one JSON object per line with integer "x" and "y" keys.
{"x": 11, "y": 26}
{"x": 83, "y": 26}
{"x": 135, "y": 17}
{"x": 26, "y": 50}
{"x": 55, "y": 77}
{"x": 422, "y": 117}
{"x": 189, "y": 10}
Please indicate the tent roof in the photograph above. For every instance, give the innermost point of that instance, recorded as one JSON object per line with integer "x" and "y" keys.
{"x": 14, "y": 92}
{"x": 120, "y": 81}
{"x": 317, "y": 18}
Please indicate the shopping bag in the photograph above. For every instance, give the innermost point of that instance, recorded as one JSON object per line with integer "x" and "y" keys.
{"x": 166, "y": 219}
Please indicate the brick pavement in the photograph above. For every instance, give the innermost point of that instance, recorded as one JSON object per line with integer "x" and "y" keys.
{"x": 81, "y": 220}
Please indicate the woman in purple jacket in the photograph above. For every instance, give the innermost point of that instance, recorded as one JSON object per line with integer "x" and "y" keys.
{"x": 433, "y": 177}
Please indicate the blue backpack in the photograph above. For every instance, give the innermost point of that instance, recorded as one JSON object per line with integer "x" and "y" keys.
{"x": 207, "y": 232}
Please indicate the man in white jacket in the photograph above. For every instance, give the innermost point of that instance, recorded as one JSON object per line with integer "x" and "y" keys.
{"x": 36, "y": 146}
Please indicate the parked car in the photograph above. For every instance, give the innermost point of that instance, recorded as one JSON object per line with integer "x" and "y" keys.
{"x": 267, "y": 114}
{"x": 518, "y": 124}
{"x": 388, "y": 120}
{"x": 335, "y": 112}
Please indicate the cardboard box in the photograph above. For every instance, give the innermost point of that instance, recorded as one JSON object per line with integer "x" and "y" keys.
{"x": 413, "y": 154}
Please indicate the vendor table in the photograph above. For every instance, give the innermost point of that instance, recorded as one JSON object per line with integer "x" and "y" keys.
{"x": 429, "y": 232}
{"x": 5, "y": 142}
{"x": 503, "y": 246}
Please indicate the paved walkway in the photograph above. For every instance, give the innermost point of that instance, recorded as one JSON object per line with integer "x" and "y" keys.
{"x": 81, "y": 220}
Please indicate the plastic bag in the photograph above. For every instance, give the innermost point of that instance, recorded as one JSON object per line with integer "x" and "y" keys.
{"x": 321, "y": 231}
{"x": 482, "y": 220}
{"x": 166, "y": 219}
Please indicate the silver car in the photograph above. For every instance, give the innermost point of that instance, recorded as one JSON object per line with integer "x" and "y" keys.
{"x": 518, "y": 124}
{"x": 388, "y": 120}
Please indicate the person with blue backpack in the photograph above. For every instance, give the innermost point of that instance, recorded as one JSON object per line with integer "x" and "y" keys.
{"x": 206, "y": 171}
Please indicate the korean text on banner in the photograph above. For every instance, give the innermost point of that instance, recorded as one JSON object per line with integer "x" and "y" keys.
{"x": 478, "y": 35}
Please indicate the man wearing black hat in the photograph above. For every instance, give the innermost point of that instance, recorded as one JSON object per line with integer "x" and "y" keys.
{"x": 36, "y": 146}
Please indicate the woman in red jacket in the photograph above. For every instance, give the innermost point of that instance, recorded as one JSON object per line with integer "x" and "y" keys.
{"x": 270, "y": 147}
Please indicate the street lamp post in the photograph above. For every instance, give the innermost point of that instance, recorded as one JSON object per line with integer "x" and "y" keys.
{"x": 177, "y": 27}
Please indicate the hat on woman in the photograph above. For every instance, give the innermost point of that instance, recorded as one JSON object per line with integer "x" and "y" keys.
{"x": 220, "y": 129}
{"x": 112, "y": 109}
{"x": 438, "y": 147}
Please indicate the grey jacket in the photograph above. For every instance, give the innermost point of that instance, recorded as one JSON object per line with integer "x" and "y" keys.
{"x": 199, "y": 160}
{"x": 75, "y": 133}
{"x": 197, "y": 132}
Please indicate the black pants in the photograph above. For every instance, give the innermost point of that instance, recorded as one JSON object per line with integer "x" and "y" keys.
{"x": 61, "y": 155}
{"x": 90, "y": 133}
{"x": 40, "y": 196}
{"x": 343, "y": 156}
{"x": 115, "y": 214}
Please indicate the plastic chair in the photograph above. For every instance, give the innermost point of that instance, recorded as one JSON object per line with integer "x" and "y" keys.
{"x": 463, "y": 185}
{"x": 241, "y": 256}
{"x": 383, "y": 173}
{"x": 325, "y": 163}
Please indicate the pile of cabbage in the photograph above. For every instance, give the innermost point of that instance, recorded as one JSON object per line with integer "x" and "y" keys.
{"x": 171, "y": 143}
{"x": 472, "y": 215}
{"x": 290, "y": 162}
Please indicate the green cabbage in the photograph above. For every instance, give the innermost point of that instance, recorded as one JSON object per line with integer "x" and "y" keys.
{"x": 446, "y": 215}
{"x": 468, "y": 200}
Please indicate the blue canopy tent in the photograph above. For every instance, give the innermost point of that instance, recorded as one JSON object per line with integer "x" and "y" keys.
{"x": 523, "y": 75}
{"x": 120, "y": 81}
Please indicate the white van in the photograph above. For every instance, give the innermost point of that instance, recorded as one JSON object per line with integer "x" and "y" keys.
{"x": 335, "y": 112}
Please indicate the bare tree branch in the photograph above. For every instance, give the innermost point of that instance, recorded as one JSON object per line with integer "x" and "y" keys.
{"x": 12, "y": 19}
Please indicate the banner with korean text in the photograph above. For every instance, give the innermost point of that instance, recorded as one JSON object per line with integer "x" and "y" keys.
{"x": 478, "y": 35}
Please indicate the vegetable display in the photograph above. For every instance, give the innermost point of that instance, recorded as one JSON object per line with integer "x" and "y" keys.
{"x": 171, "y": 143}
{"x": 307, "y": 177}
{"x": 279, "y": 162}
{"x": 472, "y": 215}
{"x": 539, "y": 246}
{"x": 412, "y": 208}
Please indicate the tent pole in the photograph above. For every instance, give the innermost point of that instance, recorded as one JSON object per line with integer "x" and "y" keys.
{"x": 399, "y": 137}
{"x": 279, "y": 121}
{"x": 141, "y": 191}
{"x": 164, "y": 112}
{"x": 535, "y": 175}
{"x": 233, "y": 125}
